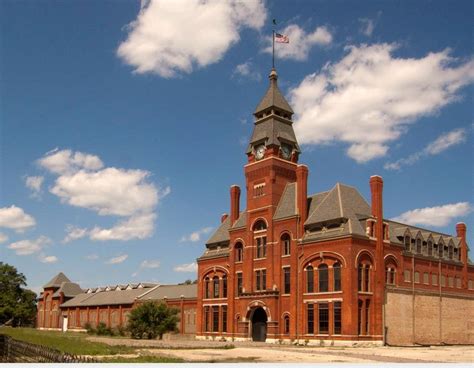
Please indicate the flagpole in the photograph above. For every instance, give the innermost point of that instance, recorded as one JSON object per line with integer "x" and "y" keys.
{"x": 273, "y": 49}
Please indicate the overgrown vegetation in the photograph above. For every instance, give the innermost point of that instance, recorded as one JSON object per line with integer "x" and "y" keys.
{"x": 17, "y": 304}
{"x": 151, "y": 320}
{"x": 68, "y": 342}
{"x": 103, "y": 330}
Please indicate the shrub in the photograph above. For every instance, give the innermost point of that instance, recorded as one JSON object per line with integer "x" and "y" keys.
{"x": 151, "y": 320}
{"x": 121, "y": 331}
{"x": 103, "y": 330}
{"x": 90, "y": 330}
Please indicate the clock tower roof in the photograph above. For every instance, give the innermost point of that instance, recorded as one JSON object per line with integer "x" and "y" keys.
{"x": 273, "y": 124}
{"x": 273, "y": 97}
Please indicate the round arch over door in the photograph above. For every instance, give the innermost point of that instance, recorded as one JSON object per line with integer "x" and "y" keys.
{"x": 259, "y": 325}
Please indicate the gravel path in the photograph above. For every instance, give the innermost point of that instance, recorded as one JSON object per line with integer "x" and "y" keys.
{"x": 205, "y": 351}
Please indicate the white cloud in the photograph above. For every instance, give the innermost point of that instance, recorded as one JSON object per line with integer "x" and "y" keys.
{"x": 246, "y": 71}
{"x": 150, "y": 264}
{"x": 74, "y": 233}
{"x": 47, "y": 259}
{"x": 196, "y": 235}
{"x": 136, "y": 227}
{"x": 173, "y": 37}
{"x": 15, "y": 218}
{"x": 369, "y": 98}
{"x": 434, "y": 216}
{"x": 34, "y": 183}
{"x": 27, "y": 247}
{"x": 118, "y": 259}
{"x": 3, "y": 238}
{"x": 300, "y": 42}
{"x": 66, "y": 161}
{"x": 186, "y": 267}
{"x": 442, "y": 143}
{"x": 84, "y": 182}
{"x": 92, "y": 257}
{"x": 367, "y": 26}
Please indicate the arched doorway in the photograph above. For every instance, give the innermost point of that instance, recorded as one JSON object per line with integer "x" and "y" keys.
{"x": 259, "y": 325}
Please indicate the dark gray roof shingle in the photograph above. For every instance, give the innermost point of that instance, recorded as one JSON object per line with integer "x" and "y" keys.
{"x": 69, "y": 289}
{"x": 221, "y": 234}
{"x": 171, "y": 292}
{"x": 273, "y": 96}
{"x": 287, "y": 205}
{"x": 56, "y": 281}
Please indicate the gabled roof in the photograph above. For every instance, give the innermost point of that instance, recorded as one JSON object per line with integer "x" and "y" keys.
{"x": 342, "y": 201}
{"x": 287, "y": 205}
{"x": 221, "y": 234}
{"x": 171, "y": 292}
{"x": 69, "y": 289}
{"x": 56, "y": 281}
{"x": 273, "y": 97}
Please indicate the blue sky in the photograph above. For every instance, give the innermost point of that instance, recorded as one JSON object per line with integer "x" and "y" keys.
{"x": 123, "y": 124}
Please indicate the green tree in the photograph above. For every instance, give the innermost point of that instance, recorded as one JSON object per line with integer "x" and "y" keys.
{"x": 17, "y": 305}
{"x": 151, "y": 320}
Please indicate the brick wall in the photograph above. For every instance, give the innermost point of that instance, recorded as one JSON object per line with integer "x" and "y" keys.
{"x": 427, "y": 318}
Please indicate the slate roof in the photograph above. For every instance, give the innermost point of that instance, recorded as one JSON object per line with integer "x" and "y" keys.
{"x": 215, "y": 252}
{"x": 56, "y": 281}
{"x": 112, "y": 297}
{"x": 171, "y": 292}
{"x": 221, "y": 234}
{"x": 241, "y": 221}
{"x": 273, "y": 131}
{"x": 287, "y": 205}
{"x": 69, "y": 289}
{"x": 273, "y": 96}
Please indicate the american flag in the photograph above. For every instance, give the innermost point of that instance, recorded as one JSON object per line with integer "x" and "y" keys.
{"x": 281, "y": 38}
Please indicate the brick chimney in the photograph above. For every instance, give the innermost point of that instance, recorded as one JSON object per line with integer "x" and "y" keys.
{"x": 224, "y": 217}
{"x": 234, "y": 203}
{"x": 376, "y": 190}
{"x": 461, "y": 233}
{"x": 302, "y": 195}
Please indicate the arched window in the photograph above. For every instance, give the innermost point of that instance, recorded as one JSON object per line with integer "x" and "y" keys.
{"x": 430, "y": 248}
{"x": 418, "y": 245}
{"x": 363, "y": 277}
{"x": 224, "y": 286}
{"x": 309, "y": 279}
{"x": 207, "y": 288}
{"x": 407, "y": 243}
{"x": 286, "y": 324}
{"x": 323, "y": 278}
{"x": 260, "y": 237}
{"x": 337, "y": 276}
{"x": 285, "y": 243}
{"x": 215, "y": 282}
{"x": 440, "y": 250}
{"x": 239, "y": 252}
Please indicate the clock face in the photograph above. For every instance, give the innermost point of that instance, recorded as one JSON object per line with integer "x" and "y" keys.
{"x": 260, "y": 152}
{"x": 286, "y": 151}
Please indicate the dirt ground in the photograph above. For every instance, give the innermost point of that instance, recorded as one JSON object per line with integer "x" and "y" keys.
{"x": 213, "y": 351}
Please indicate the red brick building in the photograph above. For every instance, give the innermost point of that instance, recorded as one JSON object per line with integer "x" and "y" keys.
{"x": 64, "y": 305}
{"x": 326, "y": 267}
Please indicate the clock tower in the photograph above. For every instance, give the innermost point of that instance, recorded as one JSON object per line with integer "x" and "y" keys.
{"x": 272, "y": 151}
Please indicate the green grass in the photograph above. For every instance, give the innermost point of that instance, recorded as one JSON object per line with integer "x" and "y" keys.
{"x": 143, "y": 359}
{"x": 69, "y": 342}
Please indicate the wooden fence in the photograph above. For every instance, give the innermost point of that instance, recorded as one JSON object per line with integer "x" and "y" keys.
{"x": 14, "y": 351}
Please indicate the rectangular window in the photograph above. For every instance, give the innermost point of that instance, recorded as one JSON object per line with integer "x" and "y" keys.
{"x": 407, "y": 275}
{"x": 259, "y": 190}
{"x": 443, "y": 280}
{"x": 458, "y": 282}
{"x": 417, "y": 277}
{"x": 310, "y": 279}
{"x": 224, "y": 287}
{"x": 206, "y": 319}
{"x": 323, "y": 309}
{"x": 337, "y": 318}
{"x": 239, "y": 283}
{"x": 360, "y": 271}
{"x": 261, "y": 247}
{"x": 310, "y": 316}
{"x": 287, "y": 277}
{"x": 224, "y": 318}
{"x": 451, "y": 281}
{"x": 215, "y": 319}
{"x": 216, "y": 287}
{"x": 337, "y": 278}
{"x": 261, "y": 280}
{"x": 359, "y": 315}
{"x": 434, "y": 279}
{"x": 426, "y": 278}
{"x": 367, "y": 316}
{"x": 470, "y": 284}
{"x": 287, "y": 325}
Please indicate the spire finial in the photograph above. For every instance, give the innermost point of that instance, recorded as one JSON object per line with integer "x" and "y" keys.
{"x": 273, "y": 74}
